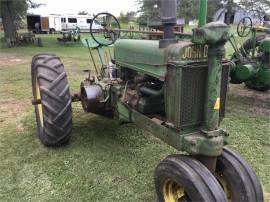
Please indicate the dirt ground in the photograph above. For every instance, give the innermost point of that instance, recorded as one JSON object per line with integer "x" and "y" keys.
{"x": 8, "y": 59}
{"x": 260, "y": 101}
{"x": 11, "y": 109}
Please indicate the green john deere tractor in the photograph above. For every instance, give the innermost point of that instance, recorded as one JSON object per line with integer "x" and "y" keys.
{"x": 176, "y": 89}
{"x": 252, "y": 59}
{"x": 71, "y": 36}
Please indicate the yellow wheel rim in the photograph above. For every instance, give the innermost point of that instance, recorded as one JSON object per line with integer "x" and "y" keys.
{"x": 222, "y": 180}
{"x": 172, "y": 191}
{"x": 39, "y": 106}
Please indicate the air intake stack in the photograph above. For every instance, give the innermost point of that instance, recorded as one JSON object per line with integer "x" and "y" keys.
{"x": 168, "y": 19}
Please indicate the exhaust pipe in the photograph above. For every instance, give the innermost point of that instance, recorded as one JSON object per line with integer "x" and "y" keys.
{"x": 203, "y": 13}
{"x": 168, "y": 19}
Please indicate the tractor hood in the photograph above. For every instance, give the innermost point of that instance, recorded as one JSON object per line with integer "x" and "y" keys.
{"x": 145, "y": 55}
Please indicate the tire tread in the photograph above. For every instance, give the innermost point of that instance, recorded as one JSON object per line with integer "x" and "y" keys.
{"x": 206, "y": 186}
{"x": 55, "y": 99}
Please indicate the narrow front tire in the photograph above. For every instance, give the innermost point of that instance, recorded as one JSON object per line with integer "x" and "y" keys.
{"x": 182, "y": 178}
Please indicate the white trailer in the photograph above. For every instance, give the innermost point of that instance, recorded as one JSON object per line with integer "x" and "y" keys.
{"x": 47, "y": 24}
{"x": 57, "y": 23}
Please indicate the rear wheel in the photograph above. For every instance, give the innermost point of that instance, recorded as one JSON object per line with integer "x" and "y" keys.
{"x": 182, "y": 178}
{"x": 237, "y": 178}
{"x": 54, "y": 113}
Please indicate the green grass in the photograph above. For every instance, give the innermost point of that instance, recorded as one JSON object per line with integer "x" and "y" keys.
{"x": 104, "y": 161}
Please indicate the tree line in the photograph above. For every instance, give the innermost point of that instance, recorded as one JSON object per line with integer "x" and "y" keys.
{"x": 188, "y": 9}
{"x": 12, "y": 11}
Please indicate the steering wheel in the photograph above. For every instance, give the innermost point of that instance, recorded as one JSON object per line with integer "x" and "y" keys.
{"x": 255, "y": 16}
{"x": 244, "y": 27}
{"x": 107, "y": 24}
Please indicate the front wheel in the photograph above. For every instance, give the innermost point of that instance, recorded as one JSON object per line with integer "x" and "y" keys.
{"x": 51, "y": 92}
{"x": 237, "y": 178}
{"x": 182, "y": 178}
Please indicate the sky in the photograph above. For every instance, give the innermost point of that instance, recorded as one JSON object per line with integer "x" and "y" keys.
{"x": 91, "y": 6}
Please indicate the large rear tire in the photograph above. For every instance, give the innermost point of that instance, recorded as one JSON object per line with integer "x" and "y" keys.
{"x": 237, "y": 178}
{"x": 54, "y": 114}
{"x": 182, "y": 178}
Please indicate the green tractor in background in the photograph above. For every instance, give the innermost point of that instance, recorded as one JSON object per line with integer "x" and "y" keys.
{"x": 252, "y": 59}
{"x": 175, "y": 89}
{"x": 71, "y": 36}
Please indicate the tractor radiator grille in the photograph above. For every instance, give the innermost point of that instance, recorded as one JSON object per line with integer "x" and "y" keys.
{"x": 185, "y": 94}
{"x": 192, "y": 95}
